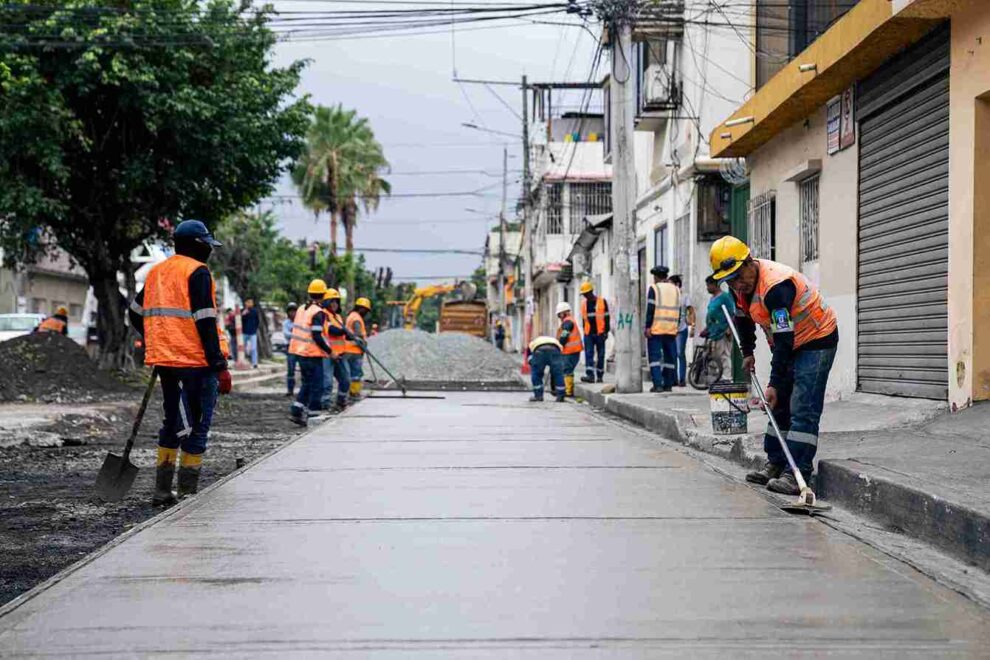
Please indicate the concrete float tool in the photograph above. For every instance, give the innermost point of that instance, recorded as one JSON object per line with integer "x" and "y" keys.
{"x": 397, "y": 381}
{"x": 806, "y": 502}
{"x": 117, "y": 474}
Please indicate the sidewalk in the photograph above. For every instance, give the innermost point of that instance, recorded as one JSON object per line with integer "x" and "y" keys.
{"x": 904, "y": 463}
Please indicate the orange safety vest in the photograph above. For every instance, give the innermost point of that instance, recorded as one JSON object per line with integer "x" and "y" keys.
{"x": 302, "y": 343}
{"x": 52, "y": 324}
{"x": 170, "y": 335}
{"x": 666, "y": 309}
{"x": 600, "y": 314}
{"x": 811, "y": 317}
{"x": 574, "y": 344}
{"x": 355, "y": 323}
{"x": 337, "y": 343}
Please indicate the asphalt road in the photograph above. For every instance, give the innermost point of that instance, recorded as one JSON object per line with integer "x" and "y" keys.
{"x": 483, "y": 526}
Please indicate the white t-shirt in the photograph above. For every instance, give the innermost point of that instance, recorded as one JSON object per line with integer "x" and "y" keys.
{"x": 685, "y": 303}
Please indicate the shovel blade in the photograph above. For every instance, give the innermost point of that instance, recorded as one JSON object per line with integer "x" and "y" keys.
{"x": 115, "y": 478}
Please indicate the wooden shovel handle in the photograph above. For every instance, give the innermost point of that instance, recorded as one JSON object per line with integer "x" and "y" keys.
{"x": 140, "y": 414}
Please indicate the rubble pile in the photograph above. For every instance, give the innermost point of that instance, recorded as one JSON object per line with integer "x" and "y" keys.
{"x": 446, "y": 357}
{"x": 50, "y": 367}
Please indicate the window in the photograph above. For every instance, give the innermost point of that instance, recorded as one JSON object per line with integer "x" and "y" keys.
{"x": 682, "y": 246}
{"x": 714, "y": 208}
{"x": 660, "y": 239}
{"x": 75, "y": 311}
{"x": 588, "y": 199}
{"x": 555, "y": 208}
{"x": 39, "y": 306}
{"x": 784, "y": 28}
{"x": 808, "y": 193}
{"x": 762, "y": 225}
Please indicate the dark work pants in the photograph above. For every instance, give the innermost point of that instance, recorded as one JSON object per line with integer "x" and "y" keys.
{"x": 539, "y": 362}
{"x": 189, "y": 399}
{"x": 290, "y": 364}
{"x": 661, "y": 350}
{"x": 311, "y": 372}
{"x": 682, "y": 338}
{"x": 594, "y": 367}
{"x": 335, "y": 369}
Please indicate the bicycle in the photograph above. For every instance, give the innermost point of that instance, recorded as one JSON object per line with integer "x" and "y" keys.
{"x": 705, "y": 369}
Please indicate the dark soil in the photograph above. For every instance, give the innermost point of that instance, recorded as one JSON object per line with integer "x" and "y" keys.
{"x": 50, "y": 367}
{"x": 49, "y": 515}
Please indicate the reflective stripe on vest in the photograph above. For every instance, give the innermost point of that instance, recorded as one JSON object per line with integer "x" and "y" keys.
{"x": 171, "y": 337}
{"x": 811, "y": 317}
{"x": 599, "y": 316}
{"x": 355, "y": 323}
{"x": 52, "y": 324}
{"x": 667, "y": 309}
{"x": 302, "y": 343}
{"x": 573, "y": 343}
{"x": 337, "y": 342}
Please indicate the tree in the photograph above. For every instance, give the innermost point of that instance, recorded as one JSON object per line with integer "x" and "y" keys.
{"x": 138, "y": 113}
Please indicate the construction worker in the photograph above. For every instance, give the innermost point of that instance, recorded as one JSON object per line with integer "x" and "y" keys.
{"x": 716, "y": 329}
{"x": 310, "y": 348}
{"x": 663, "y": 313}
{"x": 499, "y": 335}
{"x": 597, "y": 325}
{"x": 571, "y": 345}
{"x": 58, "y": 322}
{"x": 374, "y": 329}
{"x": 354, "y": 348}
{"x": 290, "y": 359}
{"x": 803, "y": 335}
{"x": 546, "y": 353}
{"x": 334, "y": 367}
{"x": 176, "y": 313}
{"x": 685, "y": 328}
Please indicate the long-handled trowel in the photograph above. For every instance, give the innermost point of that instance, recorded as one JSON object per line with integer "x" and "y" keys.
{"x": 401, "y": 382}
{"x": 806, "y": 502}
{"x": 118, "y": 473}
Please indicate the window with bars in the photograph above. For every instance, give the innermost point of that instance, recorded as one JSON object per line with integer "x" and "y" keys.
{"x": 660, "y": 237}
{"x": 762, "y": 225}
{"x": 784, "y": 28}
{"x": 808, "y": 193}
{"x": 588, "y": 199}
{"x": 555, "y": 208}
{"x": 682, "y": 245}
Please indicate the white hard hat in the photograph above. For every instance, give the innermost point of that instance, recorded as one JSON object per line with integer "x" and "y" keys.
{"x": 563, "y": 307}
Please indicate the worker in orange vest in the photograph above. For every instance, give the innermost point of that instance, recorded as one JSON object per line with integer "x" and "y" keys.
{"x": 663, "y": 313}
{"x": 571, "y": 347}
{"x": 597, "y": 324}
{"x": 310, "y": 348}
{"x": 803, "y": 334}
{"x": 354, "y": 348}
{"x": 334, "y": 366}
{"x": 58, "y": 322}
{"x": 176, "y": 313}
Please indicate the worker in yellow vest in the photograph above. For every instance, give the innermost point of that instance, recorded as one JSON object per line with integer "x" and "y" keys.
{"x": 309, "y": 347}
{"x": 663, "y": 313}
{"x": 334, "y": 367}
{"x": 597, "y": 324}
{"x": 57, "y": 322}
{"x": 571, "y": 347}
{"x": 803, "y": 334}
{"x": 354, "y": 348}
{"x": 176, "y": 313}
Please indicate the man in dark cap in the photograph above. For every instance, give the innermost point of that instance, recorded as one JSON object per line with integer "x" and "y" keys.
{"x": 663, "y": 313}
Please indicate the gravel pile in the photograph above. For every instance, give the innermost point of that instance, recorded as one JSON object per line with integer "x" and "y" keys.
{"x": 446, "y": 357}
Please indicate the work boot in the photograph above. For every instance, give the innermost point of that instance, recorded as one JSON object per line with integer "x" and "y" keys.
{"x": 188, "y": 481}
{"x": 785, "y": 484}
{"x": 763, "y": 476}
{"x": 298, "y": 415}
{"x": 569, "y": 385}
{"x": 560, "y": 398}
{"x": 587, "y": 379}
{"x": 601, "y": 379}
{"x": 164, "y": 474}
{"x": 656, "y": 389}
{"x": 535, "y": 398}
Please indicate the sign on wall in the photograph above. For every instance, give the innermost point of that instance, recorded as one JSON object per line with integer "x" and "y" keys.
{"x": 840, "y": 118}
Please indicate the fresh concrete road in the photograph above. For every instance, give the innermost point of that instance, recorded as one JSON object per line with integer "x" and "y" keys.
{"x": 483, "y": 526}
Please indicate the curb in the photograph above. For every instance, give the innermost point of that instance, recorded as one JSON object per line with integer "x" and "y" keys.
{"x": 865, "y": 490}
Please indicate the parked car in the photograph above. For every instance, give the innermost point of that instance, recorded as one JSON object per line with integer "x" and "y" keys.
{"x": 280, "y": 343}
{"x": 15, "y": 325}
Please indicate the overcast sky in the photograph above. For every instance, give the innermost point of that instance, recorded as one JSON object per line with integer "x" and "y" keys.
{"x": 403, "y": 86}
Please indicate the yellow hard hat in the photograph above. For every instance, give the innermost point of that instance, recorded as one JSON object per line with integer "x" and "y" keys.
{"x": 62, "y": 311}
{"x": 331, "y": 294}
{"x": 363, "y": 302}
{"x": 317, "y": 287}
{"x": 727, "y": 255}
{"x": 587, "y": 287}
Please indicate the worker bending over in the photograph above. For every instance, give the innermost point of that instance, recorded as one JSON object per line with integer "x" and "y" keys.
{"x": 546, "y": 353}
{"x": 663, "y": 313}
{"x": 597, "y": 325}
{"x": 176, "y": 313}
{"x": 334, "y": 367}
{"x": 571, "y": 346}
{"x": 310, "y": 348}
{"x": 803, "y": 336}
{"x": 354, "y": 348}
{"x": 57, "y": 323}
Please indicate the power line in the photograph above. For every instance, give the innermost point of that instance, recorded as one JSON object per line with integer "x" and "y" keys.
{"x": 422, "y": 251}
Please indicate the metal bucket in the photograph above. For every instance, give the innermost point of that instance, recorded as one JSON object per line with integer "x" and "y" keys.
{"x": 730, "y": 407}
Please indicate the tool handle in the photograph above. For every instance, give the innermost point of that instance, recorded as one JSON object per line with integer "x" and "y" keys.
{"x": 763, "y": 399}
{"x": 140, "y": 414}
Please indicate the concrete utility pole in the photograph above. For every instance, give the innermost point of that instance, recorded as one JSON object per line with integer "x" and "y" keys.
{"x": 527, "y": 228}
{"x": 501, "y": 236}
{"x": 626, "y": 323}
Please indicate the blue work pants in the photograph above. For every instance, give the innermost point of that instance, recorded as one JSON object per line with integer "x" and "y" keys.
{"x": 355, "y": 367}
{"x": 311, "y": 372}
{"x": 594, "y": 356}
{"x": 335, "y": 369}
{"x": 290, "y": 377}
{"x": 189, "y": 397}
{"x": 539, "y": 362}
{"x": 682, "y": 337}
{"x": 661, "y": 351}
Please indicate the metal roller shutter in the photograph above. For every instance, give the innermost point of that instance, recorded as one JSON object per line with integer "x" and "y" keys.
{"x": 904, "y": 223}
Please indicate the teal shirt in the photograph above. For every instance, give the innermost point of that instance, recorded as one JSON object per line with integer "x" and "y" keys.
{"x": 715, "y": 320}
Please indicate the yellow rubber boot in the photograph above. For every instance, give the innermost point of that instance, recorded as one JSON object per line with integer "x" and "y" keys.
{"x": 189, "y": 466}
{"x": 569, "y": 385}
{"x": 355, "y": 389}
{"x": 164, "y": 475}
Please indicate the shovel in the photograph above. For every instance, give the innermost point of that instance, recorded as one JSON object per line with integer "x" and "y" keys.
{"x": 118, "y": 473}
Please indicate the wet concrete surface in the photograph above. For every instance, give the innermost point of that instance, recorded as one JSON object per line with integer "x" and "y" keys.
{"x": 482, "y": 526}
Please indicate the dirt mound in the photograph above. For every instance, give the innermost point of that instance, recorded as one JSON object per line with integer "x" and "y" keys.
{"x": 50, "y": 367}
{"x": 444, "y": 357}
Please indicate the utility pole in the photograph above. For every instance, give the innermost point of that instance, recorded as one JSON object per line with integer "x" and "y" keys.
{"x": 628, "y": 358}
{"x": 527, "y": 230}
{"x": 501, "y": 236}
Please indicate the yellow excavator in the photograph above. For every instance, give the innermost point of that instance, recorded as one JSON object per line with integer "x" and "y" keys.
{"x": 410, "y": 308}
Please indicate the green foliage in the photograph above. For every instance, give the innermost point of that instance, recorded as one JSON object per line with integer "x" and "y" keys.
{"x": 429, "y": 314}
{"x": 480, "y": 281}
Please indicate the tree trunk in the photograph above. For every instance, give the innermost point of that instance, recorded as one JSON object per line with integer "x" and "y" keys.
{"x": 264, "y": 337}
{"x": 349, "y": 236}
{"x": 333, "y": 233}
{"x": 110, "y": 324}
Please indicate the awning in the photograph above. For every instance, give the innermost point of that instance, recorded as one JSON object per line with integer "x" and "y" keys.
{"x": 594, "y": 225}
